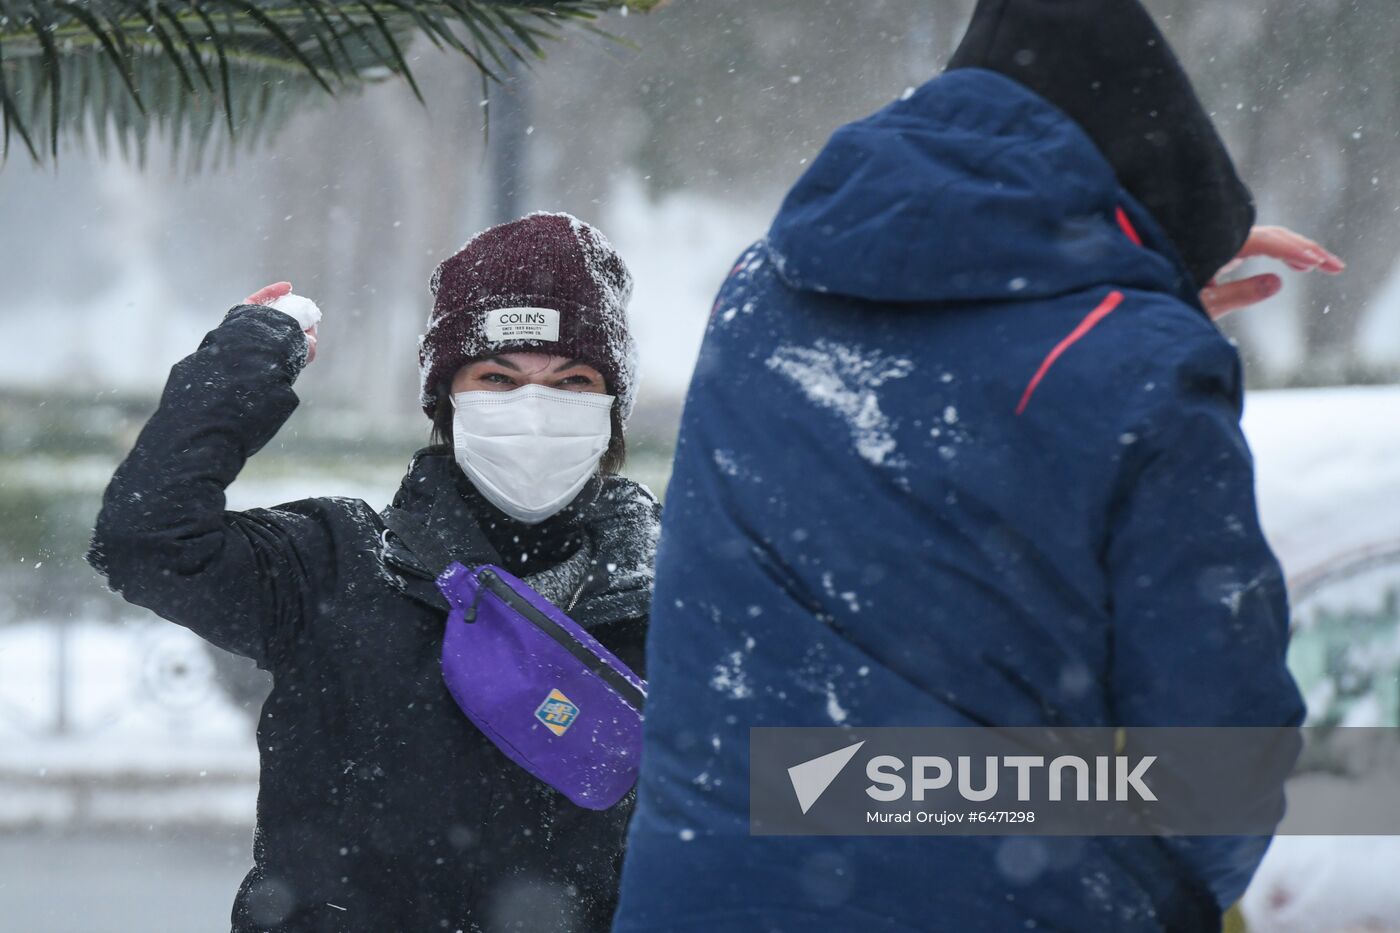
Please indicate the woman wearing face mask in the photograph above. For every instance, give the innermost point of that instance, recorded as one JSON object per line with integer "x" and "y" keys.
{"x": 381, "y": 806}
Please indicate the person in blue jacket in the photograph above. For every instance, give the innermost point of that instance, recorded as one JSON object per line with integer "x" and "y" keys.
{"x": 962, "y": 447}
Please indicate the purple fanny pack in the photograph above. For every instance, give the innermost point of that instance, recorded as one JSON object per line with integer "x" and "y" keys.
{"x": 546, "y": 692}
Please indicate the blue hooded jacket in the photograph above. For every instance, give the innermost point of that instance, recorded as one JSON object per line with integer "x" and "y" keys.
{"x": 962, "y": 447}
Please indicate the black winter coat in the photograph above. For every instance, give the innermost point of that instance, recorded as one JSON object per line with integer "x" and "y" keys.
{"x": 381, "y": 807}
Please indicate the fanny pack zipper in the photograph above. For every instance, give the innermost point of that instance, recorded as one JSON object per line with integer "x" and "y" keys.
{"x": 487, "y": 579}
{"x": 577, "y": 593}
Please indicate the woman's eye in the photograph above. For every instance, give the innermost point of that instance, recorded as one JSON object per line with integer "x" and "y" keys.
{"x": 497, "y": 378}
{"x": 582, "y": 381}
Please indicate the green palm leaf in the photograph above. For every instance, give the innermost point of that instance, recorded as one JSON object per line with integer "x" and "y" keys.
{"x": 125, "y": 69}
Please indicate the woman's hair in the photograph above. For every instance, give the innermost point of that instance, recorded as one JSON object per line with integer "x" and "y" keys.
{"x": 613, "y": 458}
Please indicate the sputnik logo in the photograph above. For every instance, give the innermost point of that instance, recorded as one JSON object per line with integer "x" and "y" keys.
{"x": 810, "y": 779}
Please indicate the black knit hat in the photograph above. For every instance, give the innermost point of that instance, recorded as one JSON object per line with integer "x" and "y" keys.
{"x": 1106, "y": 65}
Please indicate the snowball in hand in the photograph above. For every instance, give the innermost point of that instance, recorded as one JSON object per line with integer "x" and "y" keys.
{"x": 303, "y": 309}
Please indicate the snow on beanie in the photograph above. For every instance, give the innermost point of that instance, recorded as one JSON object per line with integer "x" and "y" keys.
{"x": 1106, "y": 65}
{"x": 546, "y": 283}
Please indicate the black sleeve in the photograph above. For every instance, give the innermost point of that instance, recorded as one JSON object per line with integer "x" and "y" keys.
{"x": 245, "y": 581}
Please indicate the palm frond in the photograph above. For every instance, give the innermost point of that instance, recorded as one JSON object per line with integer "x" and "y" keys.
{"x": 72, "y": 70}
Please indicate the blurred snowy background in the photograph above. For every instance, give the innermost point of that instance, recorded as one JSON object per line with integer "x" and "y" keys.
{"x": 127, "y": 768}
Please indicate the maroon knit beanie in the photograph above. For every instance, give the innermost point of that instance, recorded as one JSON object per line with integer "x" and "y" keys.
{"x": 547, "y": 283}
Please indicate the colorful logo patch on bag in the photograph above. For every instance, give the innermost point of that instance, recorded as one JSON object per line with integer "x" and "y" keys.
{"x": 557, "y": 712}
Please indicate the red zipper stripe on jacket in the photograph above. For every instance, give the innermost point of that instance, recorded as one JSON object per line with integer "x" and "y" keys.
{"x": 1126, "y": 223}
{"x": 1104, "y": 309}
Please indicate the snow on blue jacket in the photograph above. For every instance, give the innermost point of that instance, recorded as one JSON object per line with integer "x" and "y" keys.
{"x": 962, "y": 447}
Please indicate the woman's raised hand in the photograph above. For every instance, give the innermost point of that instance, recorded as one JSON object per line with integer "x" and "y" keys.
{"x": 271, "y": 294}
{"x": 1294, "y": 249}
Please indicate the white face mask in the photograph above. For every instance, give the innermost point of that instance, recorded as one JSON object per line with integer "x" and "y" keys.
{"x": 532, "y": 449}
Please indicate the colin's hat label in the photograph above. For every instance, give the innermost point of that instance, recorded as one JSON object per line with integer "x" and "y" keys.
{"x": 510, "y": 324}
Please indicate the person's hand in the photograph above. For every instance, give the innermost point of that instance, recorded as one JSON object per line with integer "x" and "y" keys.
{"x": 1296, "y": 250}
{"x": 268, "y": 294}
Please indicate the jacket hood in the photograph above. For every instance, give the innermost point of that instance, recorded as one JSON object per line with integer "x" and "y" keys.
{"x": 970, "y": 188}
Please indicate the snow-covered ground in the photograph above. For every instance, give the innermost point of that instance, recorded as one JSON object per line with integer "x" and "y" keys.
{"x": 139, "y": 698}
{"x": 1328, "y": 468}
{"x": 1326, "y": 884}
{"x": 118, "y": 724}
{"x": 1328, "y": 463}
